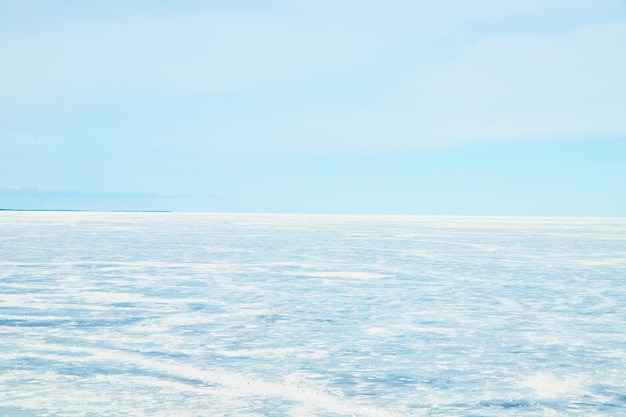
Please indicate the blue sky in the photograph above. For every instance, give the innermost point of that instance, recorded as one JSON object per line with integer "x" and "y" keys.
{"x": 408, "y": 107}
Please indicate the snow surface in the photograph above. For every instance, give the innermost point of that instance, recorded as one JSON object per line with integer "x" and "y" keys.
{"x": 169, "y": 314}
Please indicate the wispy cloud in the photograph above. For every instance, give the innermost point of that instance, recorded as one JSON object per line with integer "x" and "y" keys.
{"x": 191, "y": 97}
{"x": 320, "y": 75}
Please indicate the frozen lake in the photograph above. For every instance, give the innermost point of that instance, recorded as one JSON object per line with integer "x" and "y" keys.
{"x": 169, "y": 314}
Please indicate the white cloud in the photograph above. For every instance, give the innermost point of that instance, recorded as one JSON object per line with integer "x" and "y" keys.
{"x": 524, "y": 86}
{"x": 442, "y": 79}
{"x": 196, "y": 50}
{"x": 513, "y": 87}
{"x": 183, "y": 54}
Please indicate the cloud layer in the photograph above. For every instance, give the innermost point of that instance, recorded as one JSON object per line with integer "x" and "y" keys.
{"x": 191, "y": 96}
{"x": 321, "y": 74}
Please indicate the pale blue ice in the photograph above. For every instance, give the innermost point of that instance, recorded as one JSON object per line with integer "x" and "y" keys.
{"x": 167, "y": 314}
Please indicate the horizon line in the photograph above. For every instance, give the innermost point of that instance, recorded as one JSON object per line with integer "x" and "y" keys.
{"x": 310, "y": 214}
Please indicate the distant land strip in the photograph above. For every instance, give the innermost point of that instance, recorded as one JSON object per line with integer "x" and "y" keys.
{"x": 94, "y": 211}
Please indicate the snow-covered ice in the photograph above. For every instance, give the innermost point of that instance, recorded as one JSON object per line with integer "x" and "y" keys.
{"x": 172, "y": 314}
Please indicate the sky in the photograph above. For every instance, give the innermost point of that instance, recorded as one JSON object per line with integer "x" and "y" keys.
{"x": 300, "y": 106}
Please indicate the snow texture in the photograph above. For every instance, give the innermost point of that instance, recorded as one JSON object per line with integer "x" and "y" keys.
{"x": 169, "y": 314}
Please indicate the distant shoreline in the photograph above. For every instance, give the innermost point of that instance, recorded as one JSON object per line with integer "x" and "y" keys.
{"x": 91, "y": 211}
